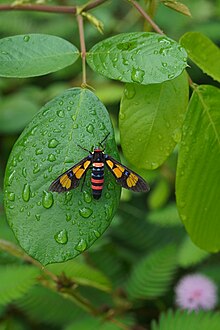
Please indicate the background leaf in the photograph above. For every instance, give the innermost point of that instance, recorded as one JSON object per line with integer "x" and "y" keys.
{"x": 15, "y": 281}
{"x": 34, "y": 55}
{"x": 156, "y": 112}
{"x": 15, "y": 113}
{"x": 139, "y": 57}
{"x": 189, "y": 254}
{"x": 49, "y": 307}
{"x": 199, "y": 158}
{"x": 82, "y": 274}
{"x": 69, "y": 222}
{"x": 183, "y": 320}
{"x": 178, "y": 6}
{"x": 152, "y": 276}
{"x": 203, "y": 52}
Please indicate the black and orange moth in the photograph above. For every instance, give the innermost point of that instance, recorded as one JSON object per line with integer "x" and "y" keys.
{"x": 96, "y": 160}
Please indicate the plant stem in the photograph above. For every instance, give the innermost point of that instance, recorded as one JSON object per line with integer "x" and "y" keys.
{"x": 83, "y": 48}
{"x": 146, "y": 16}
{"x": 51, "y": 9}
{"x": 17, "y": 252}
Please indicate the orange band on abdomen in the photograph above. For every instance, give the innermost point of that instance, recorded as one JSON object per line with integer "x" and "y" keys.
{"x": 98, "y": 164}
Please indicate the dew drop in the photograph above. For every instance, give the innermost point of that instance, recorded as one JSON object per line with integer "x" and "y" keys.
{"x": 177, "y": 135}
{"x": 26, "y": 192}
{"x": 73, "y": 117}
{"x": 85, "y": 212}
{"x": 81, "y": 246}
{"x": 60, "y": 113}
{"x": 11, "y": 196}
{"x": 38, "y": 151}
{"x": 96, "y": 233}
{"x": 37, "y": 216}
{"x": 75, "y": 125}
{"x": 26, "y": 38}
{"x": 51, "y": 157}
{"x": 24, "y": 172}
{"x": 53, "y": 143}
{"x": 61, "y": 103}
{"x": 36, "y": 169}
{"x": 68, "y": 196}
{"x": 154, "y": 165}
{"x": 87, "y": 197}
{"x": 110, "y": 186}
{"x": 121, "y": 116}
{"x": 47, "y": 199}
{"x": 11, "y": 177}
{"x": 61, "y": 236}
{"x": 107, "y": 195}
{"x": 164, "y": 64}
{"x": 137, "y": 75}
{"x": 90, "y": 128}
{"x": 68, "y": 217}
{"x": 129, "y": 92}
{"x": 171, "y": 75}
{"x": 14, "y": 162}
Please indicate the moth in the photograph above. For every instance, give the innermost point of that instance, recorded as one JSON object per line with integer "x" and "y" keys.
{"x": 96, "y": 161}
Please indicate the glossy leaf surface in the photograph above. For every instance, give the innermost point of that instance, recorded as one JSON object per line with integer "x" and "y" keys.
{"x": 34, "y": 55}
{"x": 203, "y": 52}
{"x": 198, "y": 180}
{"x": 151, "y": 119}
{"x": 55, "y": 227}
{"x": 138, "y": 57}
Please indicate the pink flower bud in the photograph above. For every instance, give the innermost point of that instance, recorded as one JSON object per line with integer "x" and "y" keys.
{"x": 194, "y": 292}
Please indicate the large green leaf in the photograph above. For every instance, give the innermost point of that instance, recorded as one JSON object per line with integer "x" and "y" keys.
{"x": 151, "y": 119}
{"x": 202, "y": 51}
{"x": 197, "y": 182}
{"x": 139, "y": 57}
{"x": 34, "y": 55}
{"x": 183, "y": 320}
{"x": 55, "y": 227}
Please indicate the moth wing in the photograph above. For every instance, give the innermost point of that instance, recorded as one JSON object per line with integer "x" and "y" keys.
{"x": 70, "y": 179}
{"x": 127, "y": 178}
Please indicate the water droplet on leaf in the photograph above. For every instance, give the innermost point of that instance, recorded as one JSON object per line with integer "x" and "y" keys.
{"x": 97, "y": 233}
{"x": 51, "y": 157}
{"x": 137, "y": 75}
{"x": 47, "y": 199}
{"x": 85, "y": 212}
{"x": 53, "y": 143}
{"x": 37, "y": 216}
{"x": 26, "y": 192}
{"x": 87, "y": 197}
{"x": 26, "y": 38}
{"x": 90, "y": 128}
{"x": 61, "y": 237}
{"x": 129, "y": 92}
{"x": 68, "y": 217}
{"x": 81, "y": 246}
{"x": 11, "y": 196}
{"x": 60, "y": 113}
